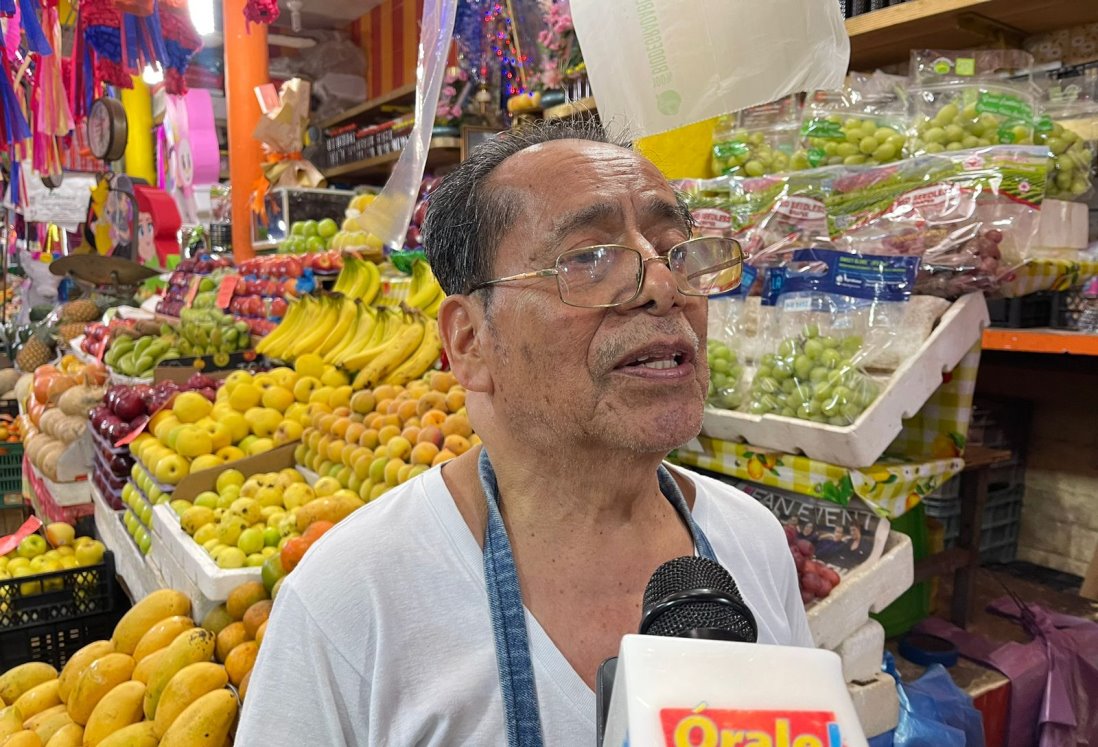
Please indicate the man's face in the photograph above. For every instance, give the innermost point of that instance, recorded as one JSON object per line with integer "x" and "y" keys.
{"x": 596, "y": 377}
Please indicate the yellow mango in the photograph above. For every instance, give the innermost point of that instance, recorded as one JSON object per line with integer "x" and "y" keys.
{"x": 78, "y": 662}
{"x": 70, "y": 735}
{"x": 119, "y": 708}
{"x": 204, "y": 723}
{"x": 140, "y": 734}
{"x": 39, "y": 698}
{"x": 18, "y": 680}
{"x": 160, "y": 605}
{"x": 160, "y": 635}
{"x": 188, "y": 685}
{"x": 101, "y": 676}
{"x": 189, "y": 647}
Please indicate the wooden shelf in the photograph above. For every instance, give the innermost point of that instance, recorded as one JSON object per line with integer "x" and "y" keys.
{"x": 403, "y": 96}
{"x": 445, "y": 151}
{"x": 886, "y": 36}
{"x": 1040, "y": 341}
{"x": 571, "y": 109}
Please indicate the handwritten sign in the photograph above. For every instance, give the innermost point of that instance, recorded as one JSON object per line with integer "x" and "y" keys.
{"x": 66, "y": 206}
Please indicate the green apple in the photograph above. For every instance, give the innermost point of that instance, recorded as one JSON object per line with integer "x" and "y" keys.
{"x": 32, "y": 546}
{"x": 327, "y": 228}
{"x": 207, "y": 498}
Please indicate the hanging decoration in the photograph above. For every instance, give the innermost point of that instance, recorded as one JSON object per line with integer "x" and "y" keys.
{"x": 261, "y": 11}
{"x": 561, "y": 58}
{"x": 181, "y": 44}
{"x": 496, "y": 41}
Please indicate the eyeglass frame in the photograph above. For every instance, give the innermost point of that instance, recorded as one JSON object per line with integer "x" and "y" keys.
{"x": 665, "y": 259}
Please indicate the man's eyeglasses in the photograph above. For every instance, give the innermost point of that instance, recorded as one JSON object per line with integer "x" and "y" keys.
{"x": 600, "y": 277}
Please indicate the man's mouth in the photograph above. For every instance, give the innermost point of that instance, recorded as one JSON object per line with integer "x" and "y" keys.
{"x": 663, "y": 358}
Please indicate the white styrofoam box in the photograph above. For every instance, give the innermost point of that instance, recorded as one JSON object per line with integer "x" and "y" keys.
{"x": 67, "y": 494}
{"x": 176, "y": 578}
{"x": 877, "y": 704}
{"x": 868, "y": 588}
{"x": 213, "y": 582}
{"x": 862, "y": 651}
{"x": 139, "y": 575}
{"x": 863, "y": 442}
{"x": 1062, "y": 225}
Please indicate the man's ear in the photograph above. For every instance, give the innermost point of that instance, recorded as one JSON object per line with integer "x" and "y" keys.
{"x": 461, "y": 325}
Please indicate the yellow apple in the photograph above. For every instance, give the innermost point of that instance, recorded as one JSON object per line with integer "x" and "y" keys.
{"x": 60, "y": 534}
{"x": 229, "y": 477}
{"x": 171, "y": 468}
{"x": 297, "y": 495}
{"x": 278, "y": 398}
{"x": 230, "y": 454}
{"x": 287, "y": 431}
{"x": 297, "y": 412}
{"x": 326, "y": 486}
{"x": 260, "y": 445}
{"x": 245, "y": 396}
{"x": 90, "y": 553}
{"x": 263, "y": 421}
{"x": 190, "y": 407}
{"x": 288, "y": 476}
{"x": 304, "y": 388}
{"x": 237, "y": 377}
{"x": 269, "y": 496}
{"x": 333, "y": 377}
{"x": 219, "y": 432}
{"x": 205, "y": 461}
{"x": 341, "y": 396}
{"x": 322, "y": 394}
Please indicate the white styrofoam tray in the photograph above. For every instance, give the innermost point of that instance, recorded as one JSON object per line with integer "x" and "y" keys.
{"x": 877, "y": 704}
{"x": 175, "y": 578}
{"x": 140, "y": 576}
{"x": 863, "y": 442}
{"x": 868, "y": 588}
{"x": 213, "y": 582}
{"x": 862, "y": 652}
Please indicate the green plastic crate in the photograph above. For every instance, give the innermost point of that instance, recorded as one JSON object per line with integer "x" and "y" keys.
{"x": 11, "y": 468}
{"x": 914, "y": 604}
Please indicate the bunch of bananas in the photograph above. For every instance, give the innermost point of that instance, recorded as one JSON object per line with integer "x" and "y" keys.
{"x": 359, "y": 279}
{"x": 386, "y": 345}
{"x": 425, "y": 292}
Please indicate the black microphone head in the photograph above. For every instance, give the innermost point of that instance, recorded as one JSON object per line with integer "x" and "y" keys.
{"x": 695, "y": 597}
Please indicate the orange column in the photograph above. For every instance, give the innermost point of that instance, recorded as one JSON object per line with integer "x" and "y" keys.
{"x": 245, "y": 68}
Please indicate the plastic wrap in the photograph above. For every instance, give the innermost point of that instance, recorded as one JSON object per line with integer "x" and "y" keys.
{"x": 670, "y": 64}
{"x": 850, "y": 128}
{"x": 833, "y": 311}
{"x": 756, "y": 141}
{"x": 1066, "y": 127}
{"x": 960, "y": 99}
{"x": 725, "y": 347}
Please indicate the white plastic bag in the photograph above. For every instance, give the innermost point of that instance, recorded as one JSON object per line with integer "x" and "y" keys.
{"x": 655, "y": 65}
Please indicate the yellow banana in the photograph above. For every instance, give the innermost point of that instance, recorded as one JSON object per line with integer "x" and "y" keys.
{"x": 364, "y": 327}
{"x": 323, "y": 325}
{"x": 99, "y": 678}
{"x": 119, "y": 708}
{"x": 70, "y": 735}
{"x": 432, "y": 308}
{"x": 161, "y": 604}
{"x": 419, "y": 361}
{"x": 18, "y": 680}
{"x": 78, "y": 663}
{"x": 424, "y": 286}
{"x": 11, "y": 721}
{"x": 140, "y": 734}
{"x": 361, "y": 278}
{"x": 394, "y": 323}
{"x": 204, "y": 723}
{"x": 188, "y": 685}
{"x": 348, "y": 277}
{"x": 348, "y": 314}
{"x": 160, "y": 635}
{"x": 38, "y": 699}
{"x": 275, "y": 342}
{"x": 190, "y": 647}
{"x": 395, "y": 353}
{"x": 373, "y": 282}
{"x": 382, "y": 322}
{"x": 45, "y": 726}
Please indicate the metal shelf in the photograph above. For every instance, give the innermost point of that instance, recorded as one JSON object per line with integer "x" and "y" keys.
{"x": 1040, "y": 341}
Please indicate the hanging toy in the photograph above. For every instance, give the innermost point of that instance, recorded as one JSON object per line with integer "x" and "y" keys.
{"x": 181, "y": 43}
{"x": 261, "y": 11}
{"x": 102, "y": 23}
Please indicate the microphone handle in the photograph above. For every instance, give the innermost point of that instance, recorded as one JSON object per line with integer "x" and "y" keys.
{"x": 604, "y": 687}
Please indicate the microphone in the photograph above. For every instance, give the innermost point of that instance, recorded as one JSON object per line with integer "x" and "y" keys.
{"x": 698, "y": 676}
{"x": 687, "y": 597}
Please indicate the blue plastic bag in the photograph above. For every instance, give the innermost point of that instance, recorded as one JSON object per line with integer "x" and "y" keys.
{"x": 934, "y": 712}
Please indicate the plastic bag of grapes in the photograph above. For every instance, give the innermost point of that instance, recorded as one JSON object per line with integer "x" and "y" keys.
{"x": 961, "y": 99}
{"x": 852, "y": 129}
{"x": 797, "y": 219}
{"x": 758, "y": 140}
{"x": 828, "y": 304}
{"x": 726, "y": 334}
{"x": 1061, "y": 128}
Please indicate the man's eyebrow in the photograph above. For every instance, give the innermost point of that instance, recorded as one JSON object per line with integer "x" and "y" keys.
{"x": 581, "y": 218}
{"x": 660, "y": 209}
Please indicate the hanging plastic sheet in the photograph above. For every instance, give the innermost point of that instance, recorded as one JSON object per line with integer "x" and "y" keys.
{"x": 934, "y": 712}
{"x": 390, "y": 213}
{"x": 670, "y": 63}
{"x": 1053, "y": 678}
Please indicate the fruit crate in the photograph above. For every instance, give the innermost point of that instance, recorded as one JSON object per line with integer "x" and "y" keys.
{"x": 903, "y": 395}
{"x": 53, "y": 623}
{"x": 11, "y": 468}
{"x": 999, "y": 528}
{"x": 1024, "y": 312}
{"x": 198, "y": 567}
{"x": 136, "y": 573}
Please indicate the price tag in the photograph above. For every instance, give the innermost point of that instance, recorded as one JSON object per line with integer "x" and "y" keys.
{"x": 30, "y": 526}
{"x": 225, "y": 292}
{"x": 192, "y": 291}
{"x": 141, "y": 424}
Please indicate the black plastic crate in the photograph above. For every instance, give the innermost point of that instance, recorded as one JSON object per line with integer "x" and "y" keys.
{"x": 58, "y": 596}
{"x": 1068, "y": 308}
{"x": 54, "y": 642}
{"x": 1025, "y": 312}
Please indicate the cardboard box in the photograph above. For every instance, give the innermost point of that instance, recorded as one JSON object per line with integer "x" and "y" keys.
{"x": 278, "y": 458}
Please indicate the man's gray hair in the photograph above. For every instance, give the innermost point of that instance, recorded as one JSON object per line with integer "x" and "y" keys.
{"x": 467, "y": 217}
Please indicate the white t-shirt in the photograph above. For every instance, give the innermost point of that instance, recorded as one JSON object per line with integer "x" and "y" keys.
{"x": 382, "y": 635}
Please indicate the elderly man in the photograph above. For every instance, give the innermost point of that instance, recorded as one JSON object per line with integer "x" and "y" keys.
{"x": 474, "y": 604}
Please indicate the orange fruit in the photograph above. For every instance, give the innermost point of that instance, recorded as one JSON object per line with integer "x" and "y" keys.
{"x": 242, "y": 690}
{"x": 432, "y": 417}
{"x": 457, "y": 425}
{"x": 431, "y": 401}
{"x": 256, "y": 615}
{"x": 260, "y": 633}
{"x": 240, "y": 661}
{"x": 230, "y": 637}
{"x": 243, "y": 597}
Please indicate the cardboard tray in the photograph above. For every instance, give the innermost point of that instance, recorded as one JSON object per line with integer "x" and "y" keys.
{"x": 868, "y": 588}
{"x": 177, "y": 554}
{"x": 863, "y": 442}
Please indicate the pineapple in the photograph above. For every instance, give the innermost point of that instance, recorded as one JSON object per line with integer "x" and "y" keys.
{"x": 36, "y": 351}
{"x": 82, "y": 310}
{"x": 70, "y": 330}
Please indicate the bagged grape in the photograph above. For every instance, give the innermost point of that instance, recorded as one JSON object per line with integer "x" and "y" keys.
{"x": 796, "y": 219}
{"x": 1066, "y": 119}
{"x": 962, "y": 100}
{"x": 727, "y": 335}
{"x": 758, "y": 140}
{"x": 834, "y": 310}
{"x": 850, "y": 128}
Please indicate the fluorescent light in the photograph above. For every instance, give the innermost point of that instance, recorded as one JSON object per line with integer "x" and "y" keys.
{"x": 202, "y": 16}
{"x": 152, "y": 75}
